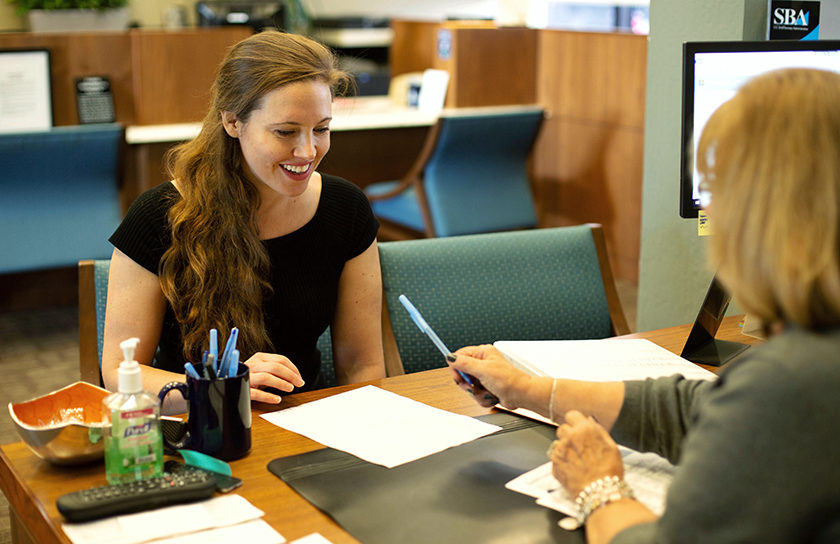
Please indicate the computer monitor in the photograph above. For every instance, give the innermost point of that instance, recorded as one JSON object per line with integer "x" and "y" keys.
{"x": 713, "y": 72}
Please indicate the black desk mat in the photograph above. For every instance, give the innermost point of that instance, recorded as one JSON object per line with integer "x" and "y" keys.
{"x": 457, "y": 495}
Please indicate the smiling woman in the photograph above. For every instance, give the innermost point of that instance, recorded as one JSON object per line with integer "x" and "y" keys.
{"x": 248, "y": 234}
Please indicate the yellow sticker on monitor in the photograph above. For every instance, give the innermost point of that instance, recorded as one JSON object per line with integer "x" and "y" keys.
{"x": 704, "y": 228}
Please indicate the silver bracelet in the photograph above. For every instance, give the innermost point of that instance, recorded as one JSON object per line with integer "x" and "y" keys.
{"x": 599, "y": 493}
{"x": 551, "y": 400}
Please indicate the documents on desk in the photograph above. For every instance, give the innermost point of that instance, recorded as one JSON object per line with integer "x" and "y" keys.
{"x": 379, "y": 426}
{"x": 647, "y": 473}
{"x": 613, "y": 359}
{"x": 220, "y": 520}
{"x": 599, "y": 360}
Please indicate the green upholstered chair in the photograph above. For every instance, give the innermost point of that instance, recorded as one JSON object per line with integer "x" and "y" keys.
{"x": 327, "y": 368}
{"x": 541, "y": 284}
{"x": 93, "y": 292}
{"x": 470, "y": 177}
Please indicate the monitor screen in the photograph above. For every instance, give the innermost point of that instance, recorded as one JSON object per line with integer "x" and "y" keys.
{"x": 713, "y": 72}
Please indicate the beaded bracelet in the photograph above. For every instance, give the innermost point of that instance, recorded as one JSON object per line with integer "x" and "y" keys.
{"x": 599, "y": 493}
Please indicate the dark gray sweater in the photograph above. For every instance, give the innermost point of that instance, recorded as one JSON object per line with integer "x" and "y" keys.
{"x": 758, "y": 450}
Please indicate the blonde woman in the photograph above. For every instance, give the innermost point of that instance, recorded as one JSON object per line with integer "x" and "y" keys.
{"x": 755, "y": 449}
{"x": 249, "y": 234}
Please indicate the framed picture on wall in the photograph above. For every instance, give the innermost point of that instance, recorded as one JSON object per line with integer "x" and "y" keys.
{"x": 25, "y": 90}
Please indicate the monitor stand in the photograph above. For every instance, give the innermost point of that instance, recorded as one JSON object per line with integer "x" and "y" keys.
{"x": 701, "y": 346}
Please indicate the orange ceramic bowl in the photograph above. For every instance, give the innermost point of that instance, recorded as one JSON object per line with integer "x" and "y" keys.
{"x": 63, "y": 427}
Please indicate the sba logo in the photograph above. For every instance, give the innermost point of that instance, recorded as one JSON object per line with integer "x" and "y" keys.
{"x": 791, "y": 17}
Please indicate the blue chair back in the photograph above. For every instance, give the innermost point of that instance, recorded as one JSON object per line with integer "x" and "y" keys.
{"x": 60, "y": 196}
{"x": 476, "y": 179}
{"x": 541, "y": 284}
{"x": 100, "y": 271}
{"x": 327, "y": 368}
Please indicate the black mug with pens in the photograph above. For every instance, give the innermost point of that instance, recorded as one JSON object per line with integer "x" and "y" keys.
{"x": 218, "y": 395}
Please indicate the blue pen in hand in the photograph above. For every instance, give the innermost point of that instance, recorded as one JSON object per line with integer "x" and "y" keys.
{"x": 427, "y": 330}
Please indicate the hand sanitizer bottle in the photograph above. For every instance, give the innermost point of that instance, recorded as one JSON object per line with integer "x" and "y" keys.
{"x": 133, "y": 442}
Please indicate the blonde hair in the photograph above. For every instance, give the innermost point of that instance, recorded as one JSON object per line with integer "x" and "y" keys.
{"x": 215, "y": 272}
{"x": 771, "y": 158}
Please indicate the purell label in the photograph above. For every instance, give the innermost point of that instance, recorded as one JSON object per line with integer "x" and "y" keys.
{"x": 137, "y": 430}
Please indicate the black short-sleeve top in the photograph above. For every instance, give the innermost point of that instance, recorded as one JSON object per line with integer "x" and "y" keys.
{"x": 305, "y": 268}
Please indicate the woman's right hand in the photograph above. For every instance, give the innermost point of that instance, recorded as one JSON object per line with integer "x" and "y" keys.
{"x": 496, "y": 374}
{"x": 271, "y": 370}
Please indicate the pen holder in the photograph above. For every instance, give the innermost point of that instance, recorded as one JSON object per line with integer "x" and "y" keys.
{"x": 218, "y": 417}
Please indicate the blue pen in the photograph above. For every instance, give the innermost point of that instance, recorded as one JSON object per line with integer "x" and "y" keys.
{"x": 233, "y": 364}
{"x": 450, "y": 357}
{"x": 214, "y": 343}
{"x": 427, "y": 330}
{"x": 230, "y": 346}
{"x": 190, "y": 369}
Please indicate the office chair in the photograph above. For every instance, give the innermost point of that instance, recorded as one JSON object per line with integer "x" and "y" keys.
{"x": 540, "y": 284}
{"x": 471, "y": 177}
{"x": 93, "y": 293}
{"x": 60, "y": 195}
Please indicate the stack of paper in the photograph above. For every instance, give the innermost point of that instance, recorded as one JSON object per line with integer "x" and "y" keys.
{"x": 648, "y": 474}
{"x": 229, "y": 518}
{"x": 599, "y": 360}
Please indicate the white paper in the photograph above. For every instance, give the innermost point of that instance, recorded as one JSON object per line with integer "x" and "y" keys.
{"x": 599, "y": 360}
{"x": 314, "y": 538}
{"x": 379, "y": 426}
{"x": 182, "y": 519}
{"x": 25, "y": 100}
{"x": 648, "y": 474}
{"x": 256, "y": 531}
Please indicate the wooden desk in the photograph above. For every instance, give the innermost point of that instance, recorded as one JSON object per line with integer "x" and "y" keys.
{"x": 32, "y": 485}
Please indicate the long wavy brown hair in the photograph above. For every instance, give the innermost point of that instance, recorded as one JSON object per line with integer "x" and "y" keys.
{"x": 215, "y": 272}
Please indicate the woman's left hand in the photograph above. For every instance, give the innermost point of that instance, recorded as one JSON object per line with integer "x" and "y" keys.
{"x": 272, "y": 370}
{"x": 583, "y": 452}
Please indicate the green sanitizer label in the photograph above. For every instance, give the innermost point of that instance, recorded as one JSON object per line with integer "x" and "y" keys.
{"x": 133, "y": 450}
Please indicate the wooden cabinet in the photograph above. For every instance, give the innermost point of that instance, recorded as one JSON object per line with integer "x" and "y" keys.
{"x": 157, "y": 76}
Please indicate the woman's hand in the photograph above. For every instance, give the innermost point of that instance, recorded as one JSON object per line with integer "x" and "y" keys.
{"x": 496, "y": 374}
{"x": 272, "y": 370}
{"x": 583, "y": 452}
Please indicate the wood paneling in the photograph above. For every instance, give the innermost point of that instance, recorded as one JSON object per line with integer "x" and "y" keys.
{"x": 82, "y": 54}
{"x": 488, "y": 66}
{"x": 588, "y": 160}
{"x": 492, "y": 66}
{"x": 173, "y": 72}
{"x": 414, "y": 46}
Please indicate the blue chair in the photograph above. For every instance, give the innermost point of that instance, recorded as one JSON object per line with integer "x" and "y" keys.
{"x": 60, "y": 196}
{"x": 93, "y": 294}
{"x": 471, "y": 177}
{"x": 539, "y": 284}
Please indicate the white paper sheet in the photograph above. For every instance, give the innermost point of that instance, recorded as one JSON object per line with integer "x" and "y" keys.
{"x": 226, "y": 511}
{"x": 646, "y": 473}
{"x": 314, "y": 538}
{"x": 379, "y": 426}
{"x": 599, "y": 360}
